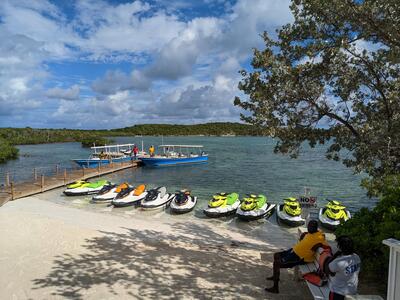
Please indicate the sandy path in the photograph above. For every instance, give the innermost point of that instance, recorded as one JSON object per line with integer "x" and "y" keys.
{"x": 50, "y": 251}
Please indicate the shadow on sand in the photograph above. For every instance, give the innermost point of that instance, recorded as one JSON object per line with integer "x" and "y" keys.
{"x": 190, "y": 262}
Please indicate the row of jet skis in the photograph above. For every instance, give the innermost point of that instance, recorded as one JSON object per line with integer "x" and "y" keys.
{"x": 251, "y": 207}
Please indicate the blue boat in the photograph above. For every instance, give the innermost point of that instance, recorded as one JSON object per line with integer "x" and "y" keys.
{"x": 176, "y": 155}
{"x": 104, "y": 155}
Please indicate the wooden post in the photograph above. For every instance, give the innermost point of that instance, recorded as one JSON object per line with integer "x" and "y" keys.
{"x": 98, "y": 168}
{"x": 8, "y": 179}
{"x": 65, "y": 176}
{"x": 12, "y": 190}
{"x": 34, "y": 174}
{"x": 83, "y": 172}
{"x": 56, "y": 169}
{"x": 41, "y": 183}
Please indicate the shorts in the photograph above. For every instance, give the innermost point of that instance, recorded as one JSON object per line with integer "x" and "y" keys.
{"x": 335, "y": 296}
{"x": 289, "y": 259}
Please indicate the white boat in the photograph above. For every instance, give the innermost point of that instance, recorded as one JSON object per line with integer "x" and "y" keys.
{"x": 104, "y": 155}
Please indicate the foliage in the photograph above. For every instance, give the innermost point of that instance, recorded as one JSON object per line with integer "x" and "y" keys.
{"x": 7, "y": 151}
{"x": 332, "y": 75}
{"x": 369, "y": 227}
{"x": 95, "y": 141}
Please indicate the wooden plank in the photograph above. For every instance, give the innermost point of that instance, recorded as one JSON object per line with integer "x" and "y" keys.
{"x": 24, "y": 189}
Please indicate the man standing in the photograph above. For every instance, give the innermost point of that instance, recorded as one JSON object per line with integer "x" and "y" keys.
{"x": 301, "y": 253}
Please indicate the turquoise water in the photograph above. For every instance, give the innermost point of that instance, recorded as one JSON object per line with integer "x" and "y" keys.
{"x": 240, "y": 164}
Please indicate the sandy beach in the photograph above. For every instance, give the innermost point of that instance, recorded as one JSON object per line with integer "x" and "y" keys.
{"x": 51, "y": 251}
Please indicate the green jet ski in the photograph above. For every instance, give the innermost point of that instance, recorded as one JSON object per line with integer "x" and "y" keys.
{"x": 255, "y": 207}
{"x": 222, "y": 204}
{"x": 86, "y": 188}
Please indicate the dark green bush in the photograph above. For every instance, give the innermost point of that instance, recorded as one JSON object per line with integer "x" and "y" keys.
{"x": 98, "y": 141}
{"x": 7, "y": 151}
{"x": 369, "y": 227}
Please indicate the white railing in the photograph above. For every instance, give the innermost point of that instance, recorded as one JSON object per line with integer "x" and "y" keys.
{"x": 393, "y": 291}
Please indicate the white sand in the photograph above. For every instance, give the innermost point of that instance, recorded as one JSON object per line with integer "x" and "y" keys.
{"x": 51, "y": 251}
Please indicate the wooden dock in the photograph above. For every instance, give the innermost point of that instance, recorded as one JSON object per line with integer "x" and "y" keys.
{"x": 41, "y": 183}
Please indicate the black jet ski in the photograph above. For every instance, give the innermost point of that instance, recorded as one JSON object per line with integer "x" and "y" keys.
{"x": 182, "y": 202}
{"x": 157, "y": 198}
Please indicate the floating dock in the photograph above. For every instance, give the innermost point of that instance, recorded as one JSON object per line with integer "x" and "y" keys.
{"x": 42, "y": 183}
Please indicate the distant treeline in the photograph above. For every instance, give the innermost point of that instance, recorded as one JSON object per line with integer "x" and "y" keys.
{"x": 27, "y": 135}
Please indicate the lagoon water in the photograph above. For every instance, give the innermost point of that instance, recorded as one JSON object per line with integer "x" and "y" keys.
{"x": 240, "y": 164}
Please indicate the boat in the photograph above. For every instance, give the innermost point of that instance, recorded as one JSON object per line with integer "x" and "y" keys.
{"x": 222, "y": 204}
{"x": 104, "y": 155}
{"x": 333, "y": 214}
{"x": 157, "y": 198}
{"x": 255, "y": 207}
{"x": 86, "y": 188}
{"x": 130, "y": 196}
{"x": 176, "y": 155}
{"x": 289, "y": 212}
{"x": 109, "y": 192}
{"x": 183, "y": 202}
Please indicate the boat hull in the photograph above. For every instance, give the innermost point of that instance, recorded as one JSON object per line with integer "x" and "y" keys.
{"x": 170, "y": 161}
{"x": 93, "y": 163}
{"x": 264, "y": 212}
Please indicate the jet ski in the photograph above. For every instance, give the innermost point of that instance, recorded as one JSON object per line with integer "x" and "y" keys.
{"x": 333, "y": 214}
{"x": 182, "y": 202}
{"x": 289, "y": 212}
{"x": 109, "y": 192}
{"x": 254, "y": 207}
{"x": 130, "y": 196}
{"x": 157, "y": 198}
{"x": 76, "y": 184}
{"x": 86, "y": 188}
{"x": 222, "y": 204}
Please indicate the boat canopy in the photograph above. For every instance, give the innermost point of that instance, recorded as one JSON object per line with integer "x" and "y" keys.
{"x": 181, "y": 146}
{"x": 112, "y": 148}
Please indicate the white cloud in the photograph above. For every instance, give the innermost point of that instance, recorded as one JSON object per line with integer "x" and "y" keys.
{"x": 67, "y": 94}
{"x": 182, "y": 69}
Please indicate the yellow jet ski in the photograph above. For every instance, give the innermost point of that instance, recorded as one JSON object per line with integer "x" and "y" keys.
{"x": 289, "y": 212}
{"x": 222, "y": 204}
{"x": 333, "y": 214}
{"x": 254, "y": 207}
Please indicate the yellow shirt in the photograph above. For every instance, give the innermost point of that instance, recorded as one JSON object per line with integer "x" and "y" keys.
{"x": 303, "y": 248}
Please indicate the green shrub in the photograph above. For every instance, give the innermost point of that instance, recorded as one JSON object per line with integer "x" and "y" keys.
{"x": 369, "y": 227}
{"x": 7, "y": 151}
{"x": 98, "y": 141}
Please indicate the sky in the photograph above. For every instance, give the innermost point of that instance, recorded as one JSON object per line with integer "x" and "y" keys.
{"x": 95, "y": 64}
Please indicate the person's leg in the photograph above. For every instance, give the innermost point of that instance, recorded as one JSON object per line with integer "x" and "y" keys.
{"x": 335, "y": 296}
{"x": 284, "y": 259}
{"x": 276, "y": 273}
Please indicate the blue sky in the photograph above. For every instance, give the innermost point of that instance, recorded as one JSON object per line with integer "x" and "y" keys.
{"x": 109, "y": 64}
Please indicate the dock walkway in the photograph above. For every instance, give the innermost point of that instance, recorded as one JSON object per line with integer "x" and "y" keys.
{"x": 39, "y": 184}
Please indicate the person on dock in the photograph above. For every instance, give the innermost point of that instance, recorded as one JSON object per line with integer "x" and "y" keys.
{"x": 151, "y": 150}
{"x": 135, "y": 151}
{"x": 344, "y": 270}
{"x": 301, "y": 253}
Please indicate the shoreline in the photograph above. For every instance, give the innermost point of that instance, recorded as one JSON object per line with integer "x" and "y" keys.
{"x": 53, "y": 251}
